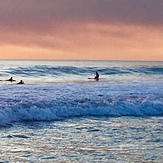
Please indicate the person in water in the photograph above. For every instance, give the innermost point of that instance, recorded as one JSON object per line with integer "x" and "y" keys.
{"x": 97, "y": 76}
{"x": 21, "y": 82}
{"x": 11, "y": 79}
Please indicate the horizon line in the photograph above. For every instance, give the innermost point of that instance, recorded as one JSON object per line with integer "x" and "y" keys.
{"x": 80, "y": 60}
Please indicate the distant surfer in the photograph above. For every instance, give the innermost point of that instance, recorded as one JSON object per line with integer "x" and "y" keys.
{"x": 97, "y": 76}
{"x": 11, "y": 79}
{"x": 21, "y": 82}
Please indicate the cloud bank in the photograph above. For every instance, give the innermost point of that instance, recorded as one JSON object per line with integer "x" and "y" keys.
{"x": 142, "y": 12}
{"x": 76, "y": 25}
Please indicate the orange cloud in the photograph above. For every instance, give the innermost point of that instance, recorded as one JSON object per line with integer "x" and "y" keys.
{"x": 88, "y": 41}
{"x": 83, "y": 29}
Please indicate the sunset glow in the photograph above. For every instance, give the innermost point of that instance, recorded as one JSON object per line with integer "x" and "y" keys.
{"x": 48, "y": 33}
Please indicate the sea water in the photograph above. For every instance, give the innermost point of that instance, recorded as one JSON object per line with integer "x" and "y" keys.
{"x": 59, "y": 115}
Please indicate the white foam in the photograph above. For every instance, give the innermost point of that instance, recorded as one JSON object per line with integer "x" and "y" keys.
{"x": 53, "y": 102}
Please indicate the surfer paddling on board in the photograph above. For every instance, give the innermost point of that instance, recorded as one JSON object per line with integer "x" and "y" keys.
{"x": 96, "y": 76}
{"x": 21, "y": 82}
{"x": 11, "y": 79}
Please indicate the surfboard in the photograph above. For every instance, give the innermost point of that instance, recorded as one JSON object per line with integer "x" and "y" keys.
{"x": 91, "y": 78}
{"x": 10, "y": 80}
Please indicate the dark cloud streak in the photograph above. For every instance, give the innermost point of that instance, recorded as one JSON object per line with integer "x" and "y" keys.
{"x": 41, "y": 12}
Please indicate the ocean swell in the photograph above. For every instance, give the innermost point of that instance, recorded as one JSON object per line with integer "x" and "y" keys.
{"x": 44, "y": 70}
{"x": 55, "y": 102}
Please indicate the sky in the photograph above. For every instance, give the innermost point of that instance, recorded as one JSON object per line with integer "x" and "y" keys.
{"x": 81, "y": 29}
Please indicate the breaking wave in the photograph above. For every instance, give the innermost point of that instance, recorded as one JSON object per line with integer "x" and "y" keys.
{"x": 55, "y": 102}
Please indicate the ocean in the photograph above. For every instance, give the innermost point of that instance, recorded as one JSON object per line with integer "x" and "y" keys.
{"x": 59, "y": 115}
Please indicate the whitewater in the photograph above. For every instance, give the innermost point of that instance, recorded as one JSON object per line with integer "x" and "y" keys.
{"x": 60, "y": 115}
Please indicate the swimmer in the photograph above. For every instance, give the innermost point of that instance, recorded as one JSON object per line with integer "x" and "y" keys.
{"x": 21, "y": 82}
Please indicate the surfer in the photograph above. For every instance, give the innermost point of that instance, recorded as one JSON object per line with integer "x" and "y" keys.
{"x": 21, "y": 82}
{"x": 11, "y": 79}
{"x": 97, "y": 76}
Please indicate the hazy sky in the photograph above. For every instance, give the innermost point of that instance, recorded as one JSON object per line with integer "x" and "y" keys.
{"x": 81, "y": 29}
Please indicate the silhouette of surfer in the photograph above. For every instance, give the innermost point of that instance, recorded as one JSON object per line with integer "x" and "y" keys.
{"x": 21, "y": 82}
{"x": 11, "y": 79}
{"x": 97, "y": 76}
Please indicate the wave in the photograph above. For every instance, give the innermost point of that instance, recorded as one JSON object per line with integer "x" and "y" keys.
{"x": 52, "y": 111}
{"x": 44, "y": 70}
{"x": 151, "y": 70}
{"x": 47, "y": 103}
